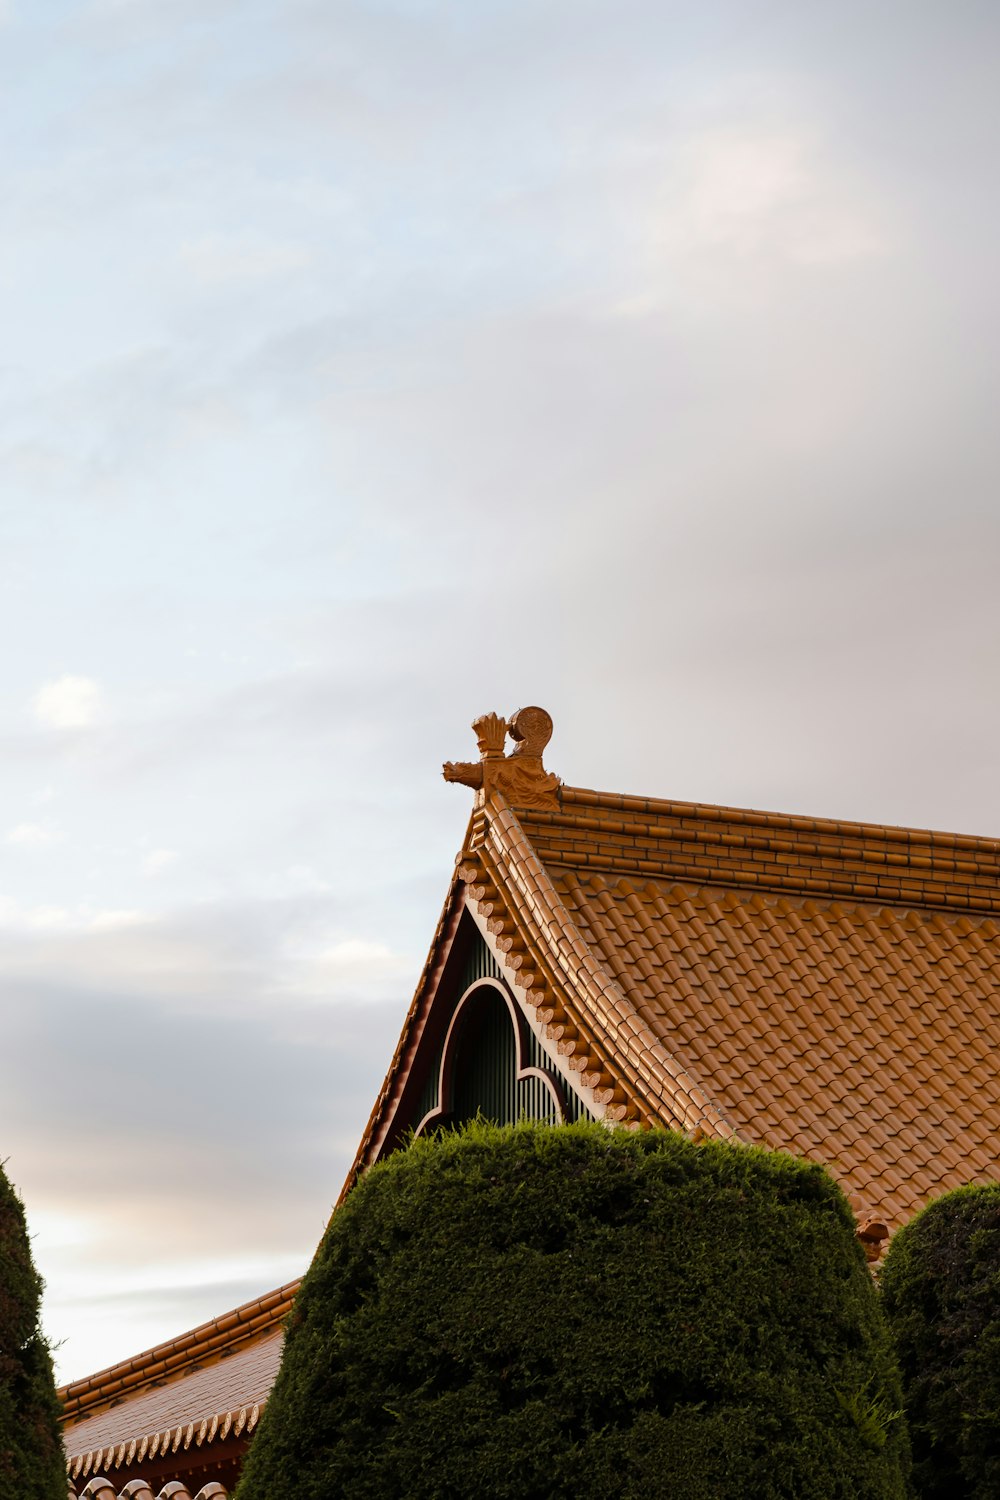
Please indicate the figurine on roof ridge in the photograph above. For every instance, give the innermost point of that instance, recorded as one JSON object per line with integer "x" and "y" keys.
{"x": 519, "y": 776}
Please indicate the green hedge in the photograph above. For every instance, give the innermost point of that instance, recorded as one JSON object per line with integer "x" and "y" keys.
{"x": 941, "y": 1292}
{"x": 570, "y": 1311}
{"x": 31, "y": 1456}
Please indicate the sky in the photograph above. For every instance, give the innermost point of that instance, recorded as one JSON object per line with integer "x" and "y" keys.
{"x": 367, "y": 365}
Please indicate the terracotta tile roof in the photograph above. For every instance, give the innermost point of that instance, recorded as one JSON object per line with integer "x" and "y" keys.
{"x": 828, "y": 988}
{"x": 692, "y": 841}
{"x": 825, "y": 987}
{"x": 215, "y": 1401}
{"x": 210, "y": 1341}
{"x": 836, "y": 1029}
{"x": 101, "y": 1488}
{"x": 202, "y": 1389}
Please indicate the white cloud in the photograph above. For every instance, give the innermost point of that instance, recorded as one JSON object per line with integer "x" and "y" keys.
{"x": 68, "y": 703}
{"x": 219, "y": 258}
{"x": 354, "y": 966}
{"x": 157, "y": 860}
{"x": 116, "y": 918}
{"x": 353, "y": 954}
{"x": 21, "y": 921}
{"x": 33, "y": 835}
{"x": 61, "y": 1229}
{"x": 47, "y": 918}
{"x": 743, "y": 195}
{"x": 739, "y": 183}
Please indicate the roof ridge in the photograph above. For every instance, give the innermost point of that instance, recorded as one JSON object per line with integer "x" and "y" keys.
{"x": 695, "y": 842}
{"x": 176, "y": 1354}
{"x": 583, "y": 974}
{"x": 842, "y": 827}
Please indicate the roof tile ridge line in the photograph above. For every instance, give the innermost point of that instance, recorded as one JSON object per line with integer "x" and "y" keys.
{"x": 817, "y": 843}
{"x": 627, "y": 802}
{"x": 98, "y": 1403}
{"x": 357, "y": 1166}
{"x": 677, "y": 1087}
{"x": 494, "y": 868}
{"x": 856, "y": 887}
{"x": 522, "y": 860}
{"x": 683, "y": 1091}
{"x": 174, "y": 1354}
{"x": 213, "y": 1424}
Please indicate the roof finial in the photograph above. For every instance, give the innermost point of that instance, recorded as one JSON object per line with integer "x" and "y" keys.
{"x": 520, "y": 776}
{"x": 531, "y": 729}
{"x": 490, "y": 731}
{"x": 870, "y": 1233}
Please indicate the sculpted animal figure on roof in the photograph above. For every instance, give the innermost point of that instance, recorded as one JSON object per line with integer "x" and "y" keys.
{"x": 520, "y": 776}
{"x": 826, "y": 988}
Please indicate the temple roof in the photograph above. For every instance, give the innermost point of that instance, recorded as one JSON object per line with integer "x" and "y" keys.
{"x": 193, "y": 1392}
{"x": 826, "y": 988}
{"x": 862, "y": 1033}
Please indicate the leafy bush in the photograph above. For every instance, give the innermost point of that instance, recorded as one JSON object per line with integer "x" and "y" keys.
{"x": 941, "y": 1292}
{"x": 569, "y": 1311}
{"x": 31, "y": 1455}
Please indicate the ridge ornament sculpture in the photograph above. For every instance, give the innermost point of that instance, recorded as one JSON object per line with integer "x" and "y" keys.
{"x": 520, "y": 776}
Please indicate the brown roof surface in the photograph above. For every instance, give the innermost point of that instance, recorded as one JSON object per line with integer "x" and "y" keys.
{"x": 828, "y": 988}
{"x": 204, "y": 1388}
{"x": 218, "y": 1337}
{"x": 863, "y": 1036}
{"x": 823, "y": 987}
{"x": 241, "y": 1379}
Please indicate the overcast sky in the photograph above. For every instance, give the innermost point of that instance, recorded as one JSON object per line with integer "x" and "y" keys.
{"x": 366, "y": 366}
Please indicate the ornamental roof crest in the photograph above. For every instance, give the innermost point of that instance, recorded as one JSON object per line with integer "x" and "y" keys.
{"x": 519, "y": 776}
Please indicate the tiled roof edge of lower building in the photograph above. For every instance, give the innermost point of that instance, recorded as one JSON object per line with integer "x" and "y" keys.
{"x": 81, "y": 1397}
{"x": 200, "y": 1433}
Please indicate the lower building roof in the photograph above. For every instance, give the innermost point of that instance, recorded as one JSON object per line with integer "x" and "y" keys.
{"x": 199, "y": 1392}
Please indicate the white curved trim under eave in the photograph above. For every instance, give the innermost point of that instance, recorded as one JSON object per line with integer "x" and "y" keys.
{"x": 522, "y": 1070}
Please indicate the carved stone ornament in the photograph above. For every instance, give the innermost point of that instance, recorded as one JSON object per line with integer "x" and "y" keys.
{"x": 871, "y": 1233}
{"x": 520, "y": 776}
{"x": 490, "y": 731}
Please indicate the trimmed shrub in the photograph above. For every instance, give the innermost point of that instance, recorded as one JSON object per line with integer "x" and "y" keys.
{"x": 941, "y": 1292}
{"x": 570, "y": 1311}
{"x": 31, "y": 1453}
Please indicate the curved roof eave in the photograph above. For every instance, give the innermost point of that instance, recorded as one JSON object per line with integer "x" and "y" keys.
{"x": 623, "y": 1072}
{"x": 172, "y": 1358}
